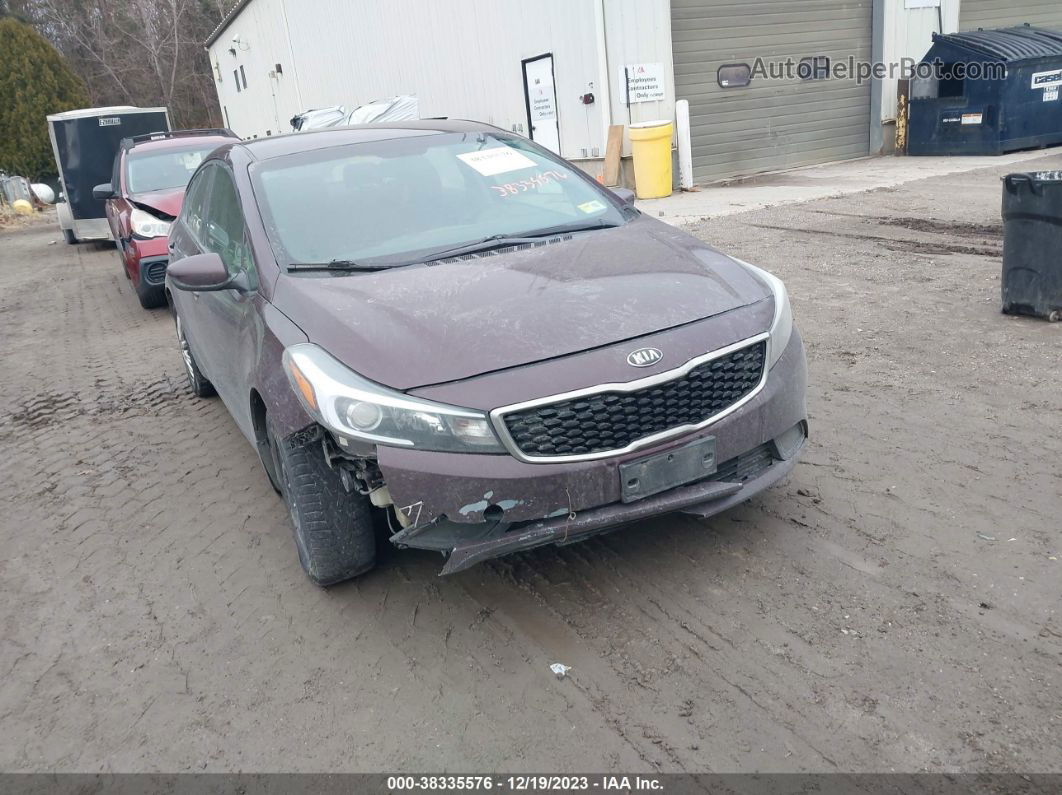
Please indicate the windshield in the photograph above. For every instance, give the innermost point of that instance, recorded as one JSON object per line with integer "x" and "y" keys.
{"x": 163, "y": 170}
{"x": 399, "y": 199}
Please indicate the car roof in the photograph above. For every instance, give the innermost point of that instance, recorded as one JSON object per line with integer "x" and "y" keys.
{"x": 292, "y": 143}
{"x": 186, "y": 142}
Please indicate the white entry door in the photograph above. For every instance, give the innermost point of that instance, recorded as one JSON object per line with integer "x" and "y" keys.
{"x": 541, "y": 98}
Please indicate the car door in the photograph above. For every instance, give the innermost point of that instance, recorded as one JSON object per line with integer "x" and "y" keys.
{"x": 226, "y": 319}
{"x": 185, "y": 241}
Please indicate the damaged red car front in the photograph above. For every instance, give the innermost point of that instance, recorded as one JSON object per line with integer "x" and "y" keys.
{"x": 144, "y": 196}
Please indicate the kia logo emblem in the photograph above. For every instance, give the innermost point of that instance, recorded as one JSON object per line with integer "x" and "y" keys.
{"x": 644, "y": 357}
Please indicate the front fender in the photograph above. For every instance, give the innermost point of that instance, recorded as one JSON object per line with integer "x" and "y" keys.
{"x": 286, "y": 413}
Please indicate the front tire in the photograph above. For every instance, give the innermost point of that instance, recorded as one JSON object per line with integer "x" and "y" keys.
{"x": 334, "y": 530}
{"x": 198, "y": 382}
{"x": 121, "y": 258}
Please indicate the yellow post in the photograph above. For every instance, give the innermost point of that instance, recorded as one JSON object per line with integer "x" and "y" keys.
{"x": 651, "y": 145}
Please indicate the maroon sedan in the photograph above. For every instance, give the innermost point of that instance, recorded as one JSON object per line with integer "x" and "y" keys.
{"x": 144, "y": 196}
{"x": 447, "y": 324}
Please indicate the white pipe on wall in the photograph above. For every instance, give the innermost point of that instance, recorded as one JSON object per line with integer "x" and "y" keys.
{"x": 685, "y": 148}
{"x": 603, "y": 91}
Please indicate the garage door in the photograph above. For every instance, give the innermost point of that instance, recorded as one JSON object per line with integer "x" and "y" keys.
{"x": 987, "y": 14}
{"x": 770, "y": 124}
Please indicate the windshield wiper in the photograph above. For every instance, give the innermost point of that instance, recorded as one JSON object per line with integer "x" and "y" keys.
{"x": 578, "y": 226}
{"x": 502, "y": 241}
{"x": 338, "y": 265}
{"x": 483, "y": 244}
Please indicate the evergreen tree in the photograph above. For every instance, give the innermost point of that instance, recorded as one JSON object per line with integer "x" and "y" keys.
{"x": 34, "y": 82}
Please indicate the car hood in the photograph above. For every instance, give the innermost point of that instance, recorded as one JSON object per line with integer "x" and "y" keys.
{"x": 167, "y": 202}
{"x": 422, "y": 325}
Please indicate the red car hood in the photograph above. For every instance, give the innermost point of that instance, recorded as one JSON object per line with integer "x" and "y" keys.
{"x": 167, "y": 202}
{"x": 421, "y": 325}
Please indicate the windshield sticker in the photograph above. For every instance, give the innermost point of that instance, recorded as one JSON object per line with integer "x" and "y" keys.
{"x": 534, "y": 181}
{"x": 592, "y": 207}
{"x": 498, "y": 160}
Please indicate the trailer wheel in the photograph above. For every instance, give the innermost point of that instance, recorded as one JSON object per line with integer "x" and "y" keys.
{"x": 70, "y": 237}
{"x": 334, "y": 531}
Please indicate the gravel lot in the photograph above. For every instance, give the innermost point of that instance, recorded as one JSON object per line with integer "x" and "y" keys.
{"x": 895, "y": 605}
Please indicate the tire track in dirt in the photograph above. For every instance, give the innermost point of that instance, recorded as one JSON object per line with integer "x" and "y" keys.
{"x": 155, "y": 616}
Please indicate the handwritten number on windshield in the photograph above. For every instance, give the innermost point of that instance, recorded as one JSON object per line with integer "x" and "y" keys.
{"x": 534, "y": 181}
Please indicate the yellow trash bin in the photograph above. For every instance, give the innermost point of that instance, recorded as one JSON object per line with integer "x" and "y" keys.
{"x": 651, "y": 144}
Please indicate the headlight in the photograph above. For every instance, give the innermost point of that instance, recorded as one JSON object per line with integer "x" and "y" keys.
{"x": 146, "y": 225}
{"x": 782, "y": 324}
{"x": 354, "y": 407}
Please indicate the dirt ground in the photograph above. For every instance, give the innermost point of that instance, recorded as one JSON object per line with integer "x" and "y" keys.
{"x": 895, "y": 605}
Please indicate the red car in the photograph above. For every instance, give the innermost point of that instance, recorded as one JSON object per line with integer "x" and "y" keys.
{"x": 145, "y": 195}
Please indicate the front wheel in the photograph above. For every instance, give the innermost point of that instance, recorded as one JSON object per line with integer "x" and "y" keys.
{"x": 198, "y": 382}
{"x": 333, "y": 528}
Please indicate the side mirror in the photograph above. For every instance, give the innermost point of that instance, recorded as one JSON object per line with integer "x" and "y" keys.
{"x": 104, "y": 191}
{"x": 625, "y": 195}
{"x": 203, "y": 273}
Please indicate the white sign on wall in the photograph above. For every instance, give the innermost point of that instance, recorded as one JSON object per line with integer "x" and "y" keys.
{"x": 645, "y": 81}
{"x": 921, "y": 4}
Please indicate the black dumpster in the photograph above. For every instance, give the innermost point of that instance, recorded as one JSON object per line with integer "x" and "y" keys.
{"x": 986, "y": 92}
{"x": 1032, "y": 244}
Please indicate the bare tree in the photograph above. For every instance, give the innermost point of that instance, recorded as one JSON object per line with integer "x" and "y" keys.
{"x": 140, "y": 52}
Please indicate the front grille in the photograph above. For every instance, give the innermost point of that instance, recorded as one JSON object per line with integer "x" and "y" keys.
{"x": 613, "y": 420}
{"x": 746, "y": 466}
{"x": 155, "y": 272}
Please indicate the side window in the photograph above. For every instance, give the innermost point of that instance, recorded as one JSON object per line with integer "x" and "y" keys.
{"x": 224, "y": 232}
{"x": 195, "y": 201}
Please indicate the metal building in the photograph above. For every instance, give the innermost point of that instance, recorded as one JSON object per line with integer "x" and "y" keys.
{"x": 987, "y": 14}
{"x": 563, "y": 71}
{"x": 771, "y": 124}
{"x": 549, "y": 69}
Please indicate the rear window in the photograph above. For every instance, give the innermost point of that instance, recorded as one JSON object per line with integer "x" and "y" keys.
{"x": 163, "y": 170}
{"x": 391, "y": 200}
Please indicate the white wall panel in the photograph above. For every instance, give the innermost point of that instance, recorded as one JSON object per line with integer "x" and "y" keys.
{"x": 461, "y": 58}
{"x": 909, "y": 34}
{"x": 267, "y": 103}
{"x": 639, "y": 31}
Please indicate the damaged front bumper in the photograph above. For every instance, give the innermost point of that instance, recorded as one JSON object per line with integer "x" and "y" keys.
{"x": 476, "y": 507}
{"x": 472, "y": 544}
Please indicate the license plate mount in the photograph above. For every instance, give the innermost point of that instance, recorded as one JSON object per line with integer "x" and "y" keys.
{"x": 656, "y": 473}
